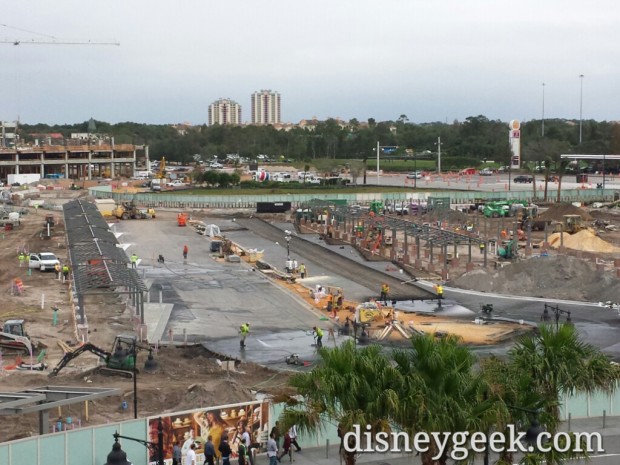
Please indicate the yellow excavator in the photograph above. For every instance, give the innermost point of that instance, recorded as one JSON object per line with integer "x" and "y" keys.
{"x": 570, "y": 224}
{"x": 127, "y": 210}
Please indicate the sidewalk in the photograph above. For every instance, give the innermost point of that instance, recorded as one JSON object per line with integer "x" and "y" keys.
{"x": 328, "y": 456}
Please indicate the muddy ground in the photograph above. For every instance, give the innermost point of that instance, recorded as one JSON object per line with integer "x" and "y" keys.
{"x": 188, "y": 377}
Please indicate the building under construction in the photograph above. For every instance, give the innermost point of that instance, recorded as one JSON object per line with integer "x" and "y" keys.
{"x": 53, "y": 156}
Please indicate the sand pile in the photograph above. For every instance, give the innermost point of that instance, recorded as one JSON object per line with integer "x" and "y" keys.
{"x": 557, "y": 211}
{"x": 585, "y": 240}
{"x": 561, "y": 277}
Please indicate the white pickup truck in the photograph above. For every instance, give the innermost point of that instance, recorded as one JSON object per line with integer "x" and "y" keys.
{"x": 176, "y": 183}
{"x": 43, "y": 261}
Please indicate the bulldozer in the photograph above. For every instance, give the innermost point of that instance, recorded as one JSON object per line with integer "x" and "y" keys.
{"x": 14, "y": 338}
{"x": 570, "y": 224}
{"x": 127, "y": 210}
{"x": 121, "y": 361}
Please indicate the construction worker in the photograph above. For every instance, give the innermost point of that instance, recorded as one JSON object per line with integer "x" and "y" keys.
{"x": 185, "y": 250}
{"x": 302, "y": 270}
{"x": 65, "y": 272}
{"x": 134, "y": 260}
{"x": 22, "y": 259}
{"x": 244, "y": 329}
{"x": 57, "y": 270}
{"x": 385, "y": 289}
{"x": 482, "y": 246}
{"x": 318, "y": 334}
{"x": 439, "y": 289}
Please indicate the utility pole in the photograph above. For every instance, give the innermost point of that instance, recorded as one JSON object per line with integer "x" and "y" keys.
{"x": 379, "y": 148}
{"x": 439, "y": 155}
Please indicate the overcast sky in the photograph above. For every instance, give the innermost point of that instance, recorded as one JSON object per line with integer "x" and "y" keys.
{"x": 431, "y": 60}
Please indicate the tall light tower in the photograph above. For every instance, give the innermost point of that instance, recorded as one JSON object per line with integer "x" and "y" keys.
{"x": 543, "y": 111}
{"x": 580, "y": 105}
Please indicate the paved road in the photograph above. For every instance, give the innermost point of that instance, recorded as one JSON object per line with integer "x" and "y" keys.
{"x": 496, "y": 183}
{"x": 211, "y": 299}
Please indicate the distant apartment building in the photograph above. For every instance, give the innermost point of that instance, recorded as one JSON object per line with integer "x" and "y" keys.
{"x": 266, "y": 107}
{"x": 224, "y": 111}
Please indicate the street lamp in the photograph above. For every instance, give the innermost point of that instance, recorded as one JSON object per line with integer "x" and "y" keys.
{"x": 438, "y": 144}
{"x": 543, "y": 110}
{"x": 580, "y": 104}
{"x": 557, "y": 312}
{"x": 119, "y": 457}
{"x": 287, "y": 238}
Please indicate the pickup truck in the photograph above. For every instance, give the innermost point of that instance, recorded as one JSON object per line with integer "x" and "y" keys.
{"x": 43, "y": 261}
{"x": 176, "y": 183}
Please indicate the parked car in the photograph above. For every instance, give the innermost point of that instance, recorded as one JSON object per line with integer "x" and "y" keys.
{"x": 414, "y": 175}
{"x": 44, "y": 261}
{"x": 486, "y": 172}
{"x": 523, "y": 179}
{"x": 176, "y": 183}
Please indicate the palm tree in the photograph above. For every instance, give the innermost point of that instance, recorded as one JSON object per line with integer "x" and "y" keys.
{"x": 348, "y": 387}
{"x": 554, "y": 362}
{"x": 561, "y": 170}
{"x": 442, "y": 391}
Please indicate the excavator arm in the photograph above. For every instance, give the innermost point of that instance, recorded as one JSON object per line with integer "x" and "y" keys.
{"x": 88, "y": 347}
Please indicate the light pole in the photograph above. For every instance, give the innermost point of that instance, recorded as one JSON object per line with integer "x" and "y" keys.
{"x": 119, "y": 457}
{"x": 557, "y": 312}
{"x": 378, "y": 149}
{"x": 438, "y": 144}
{"x": 287, "y": 238}
{"x": 543, "y": 110}
{"x": 580, "y": 104}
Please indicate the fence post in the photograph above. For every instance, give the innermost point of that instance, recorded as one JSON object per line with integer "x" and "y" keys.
{"x": 327, "y": 448}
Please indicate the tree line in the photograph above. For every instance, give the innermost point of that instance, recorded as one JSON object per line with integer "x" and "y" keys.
{"x": 474, "y": 140}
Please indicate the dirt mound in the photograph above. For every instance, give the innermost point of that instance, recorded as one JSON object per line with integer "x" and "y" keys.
{"x": 561, "y": 277}
{"x": 584, "y": 240}
{"x": 556, "y": 212}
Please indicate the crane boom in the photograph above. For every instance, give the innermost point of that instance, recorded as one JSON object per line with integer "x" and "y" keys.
{"x": 54, "y": 42}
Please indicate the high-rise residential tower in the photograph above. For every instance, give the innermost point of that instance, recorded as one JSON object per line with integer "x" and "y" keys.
{"x": 266, "y": 107}
{"x": 224, "y": 111}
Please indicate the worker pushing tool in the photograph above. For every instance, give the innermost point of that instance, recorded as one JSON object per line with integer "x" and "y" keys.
{"x": 318, "y": 335}
{"x": 385, "y": 290}
{"x": 244, "y": 329}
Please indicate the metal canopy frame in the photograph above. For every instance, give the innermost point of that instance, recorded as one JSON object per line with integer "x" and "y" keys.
{"x": 426, "y": 232}
{"x": 98, "y": 264}
{"x": 45, "y": 398}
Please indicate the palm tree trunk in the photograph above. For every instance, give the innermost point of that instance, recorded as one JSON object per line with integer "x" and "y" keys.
{"x": 546, "y": 187}
{"x": 559, "y": 188}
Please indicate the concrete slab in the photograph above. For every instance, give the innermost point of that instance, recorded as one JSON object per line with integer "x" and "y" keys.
{"x": 156, "y": 318}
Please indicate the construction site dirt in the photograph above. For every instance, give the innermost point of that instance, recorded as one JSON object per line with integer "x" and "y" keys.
{"x": 189, "y": 376}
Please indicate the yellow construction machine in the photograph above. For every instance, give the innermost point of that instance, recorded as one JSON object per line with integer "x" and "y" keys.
{"x": 570, "y": 224}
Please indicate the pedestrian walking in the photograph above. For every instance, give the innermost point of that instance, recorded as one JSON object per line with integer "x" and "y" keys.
{"x": 225, "y": 450}
{"x": 65, "y": 272}
{"x": 292, "y": 432}
{"x": 286, "y": 449}
{"x": 134, "y": 260}
{"x": 272, "y": 450}
{"x": 302, "y": 270}
{"x": 185, "y": 250}
{"x": 243, "y": 452}
{"x": 209, "y": 452}
{"x": 276, "y": 433}
{"x": 244, "y": 329}
{"x": 177, "y": 456}
{"x": 190, "y": 458}
{"x": 385, "y": 290}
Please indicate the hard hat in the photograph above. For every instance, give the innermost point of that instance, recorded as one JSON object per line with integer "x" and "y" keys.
{"x": 248, "y": 324}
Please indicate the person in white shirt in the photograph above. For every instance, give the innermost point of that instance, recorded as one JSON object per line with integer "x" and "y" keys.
{"x": 190, "y": 459}
{"x": 293, "y": 435}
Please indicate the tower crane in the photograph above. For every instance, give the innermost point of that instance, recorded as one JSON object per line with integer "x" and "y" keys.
{"x": 54, "y": 42}
{"x": 50, "y": 40}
